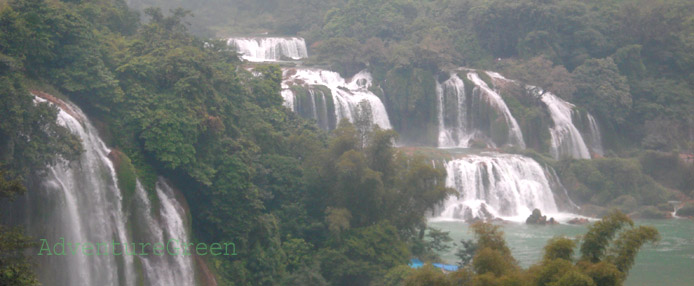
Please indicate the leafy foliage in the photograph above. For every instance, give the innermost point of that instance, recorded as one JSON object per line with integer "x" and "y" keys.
{"x": 15, "y": 267}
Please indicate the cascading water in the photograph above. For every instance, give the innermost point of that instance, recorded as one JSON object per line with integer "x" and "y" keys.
{"x": 566, "y": 139}
{"x": 595, "y": 137}
{"x": 463, "y": 117}
{"x": 351, "y": 99}
{"x": 288, "y": 97}
{"x": 496, "y": 185}
{"x": 80, "y": 201}
{"x": 496, "y": 101}
{"x": 452, "y": 108}
{"x": 263, "y": 49}
{"x": 168, "y": 225}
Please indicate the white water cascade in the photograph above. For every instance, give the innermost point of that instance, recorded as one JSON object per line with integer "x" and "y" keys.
{"x": 351, "y": 98}
{"x": 264, "y": 49}
{"x": 566, "y": 139}
{"x": 495, "y": 185}
{"x": 595, "y": 137}
{"x": 168, "y": 225}
{"x": 460, "y": 122}
{"x": 80, "y": 201}
{"x": 452, "y": 112}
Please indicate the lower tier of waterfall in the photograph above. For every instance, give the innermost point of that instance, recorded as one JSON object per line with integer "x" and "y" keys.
{"x": 493, "y": 185}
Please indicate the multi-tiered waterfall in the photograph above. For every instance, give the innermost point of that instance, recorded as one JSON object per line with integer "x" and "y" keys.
{"x": 263, "y": 49}
{"x": 481, "y": 115}
{"x": 328, "y": 98}
{"x": 80, "y": 201}
{"x": 493, "y": 185}
{"x": 471, "y": 111}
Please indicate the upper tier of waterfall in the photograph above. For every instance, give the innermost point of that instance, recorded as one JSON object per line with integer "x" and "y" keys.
{"x": 569, "y": 138}
{"x": 494, "y": 185}
{"x": 452, "y": 114}
{"x": 328, "y": 98}
{"x": 81, "y": 202}
{"x": 566, "y": 139}
{"x": 481, "y": 115}
{"x": 264, "y": 49}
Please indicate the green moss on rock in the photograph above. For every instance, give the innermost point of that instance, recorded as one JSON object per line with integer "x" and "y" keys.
{"x": 125, "y": 172}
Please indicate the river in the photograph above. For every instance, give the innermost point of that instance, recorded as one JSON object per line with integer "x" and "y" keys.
{"x": 669, "y": 262}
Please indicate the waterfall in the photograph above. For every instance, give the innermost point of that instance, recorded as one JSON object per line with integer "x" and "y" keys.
{"x": 594, "y": 134}
{"x": 351, "y": 98}
{"x": 452, "y": 112}
{"x": 491, "y": 97}
{"x": 262, "y": 49}
{"x": 167, "y": 269}
{"x": 496, "y": 185}
{"x": 81, "y": 202}
{"x": 288, "y": 97}
{"x": 463, "y": 117}
{"x": 566, "y": 139}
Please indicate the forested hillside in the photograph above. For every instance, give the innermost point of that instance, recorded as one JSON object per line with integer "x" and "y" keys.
{"x": 289, "y": 196}
{"x": 628, "y": 62}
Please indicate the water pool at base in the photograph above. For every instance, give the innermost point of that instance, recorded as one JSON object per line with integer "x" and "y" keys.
{"x": 669, "y": 262}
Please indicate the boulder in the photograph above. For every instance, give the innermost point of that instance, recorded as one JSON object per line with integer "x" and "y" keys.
{"x": 537, "y": 218}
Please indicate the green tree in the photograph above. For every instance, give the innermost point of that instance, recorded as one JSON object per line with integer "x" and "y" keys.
{"x": 559, "y": 248}
{"x": 427, "y": 275}
{"x": 603, "y": 90}
{"x": 439, "y": 240}
{"x": 596, "y": 241}
{"x": 15, "y": 267}
{"x": 627, "y": 245}
{"x": 466, "y": 252}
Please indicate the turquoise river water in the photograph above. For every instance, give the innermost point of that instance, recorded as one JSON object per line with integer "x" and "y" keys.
{"x": 669, "y": 262}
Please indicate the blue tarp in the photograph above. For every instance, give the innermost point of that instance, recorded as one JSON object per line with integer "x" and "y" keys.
{"x": 416, "y": 263}
{"x": 446, "y": 267}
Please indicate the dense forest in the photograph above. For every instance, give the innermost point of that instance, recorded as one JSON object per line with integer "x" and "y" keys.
{"x": 347, "y": 207}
